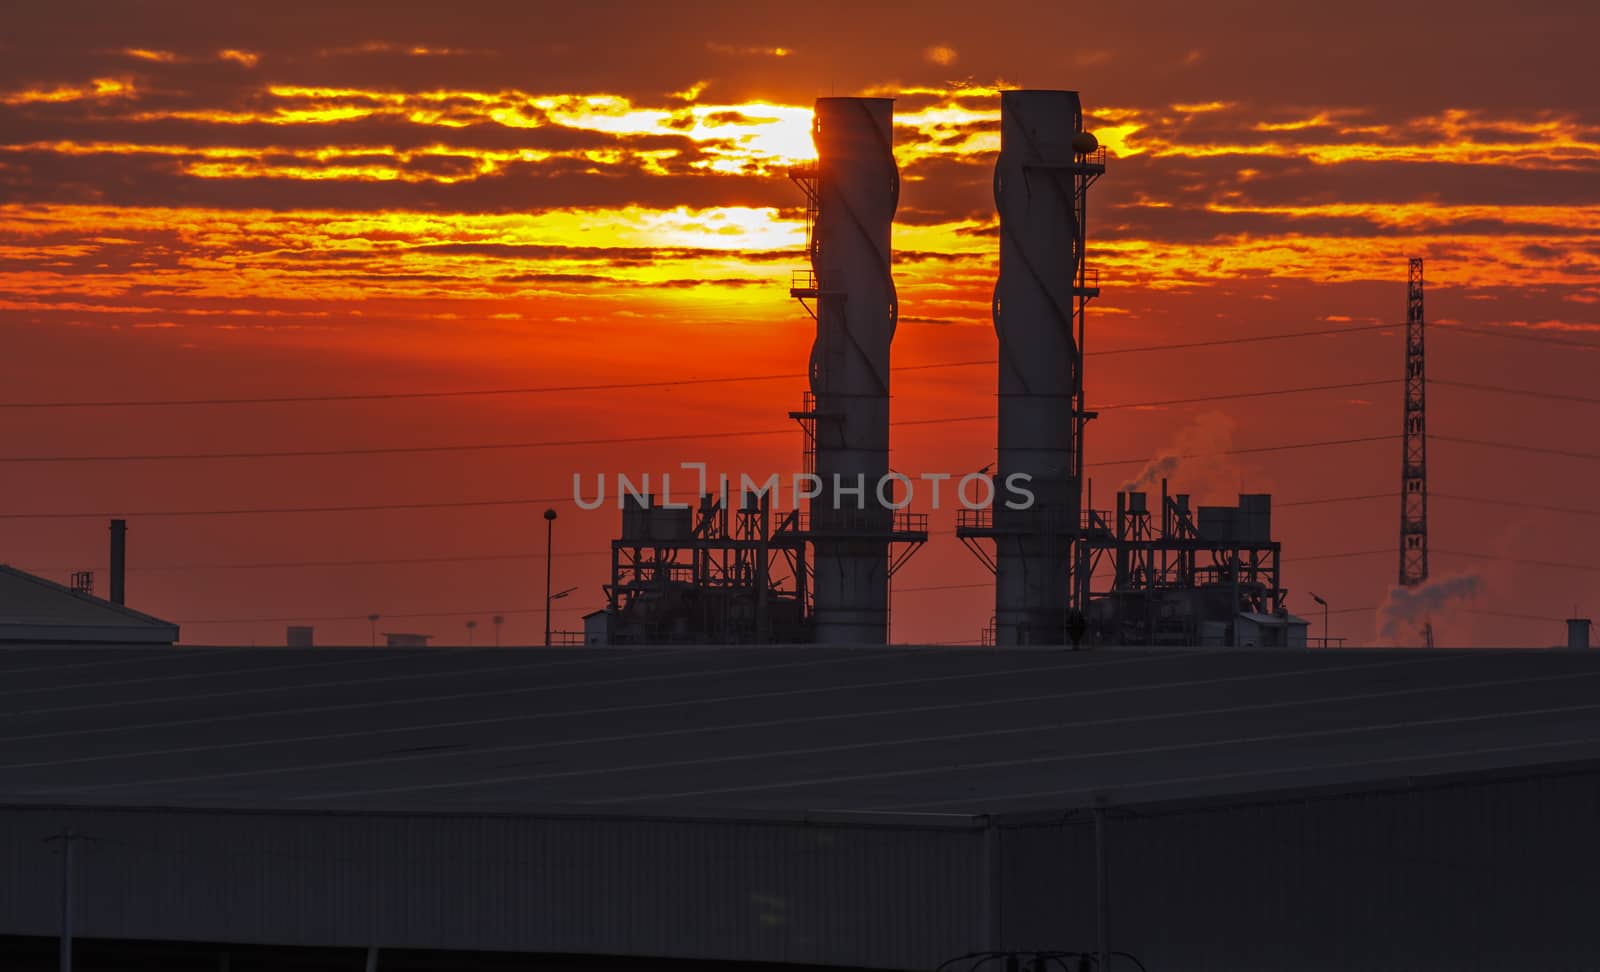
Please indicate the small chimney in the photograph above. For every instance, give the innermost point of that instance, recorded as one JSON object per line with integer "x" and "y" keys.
{"x": 119, "y": 556}
{"x": 1578, "y": 633}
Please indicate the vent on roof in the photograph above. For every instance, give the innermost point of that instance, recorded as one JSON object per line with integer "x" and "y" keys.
{"x": 83, "y": 581}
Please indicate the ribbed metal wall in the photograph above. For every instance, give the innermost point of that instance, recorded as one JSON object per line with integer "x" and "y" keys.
{"x": 1493, "y": 874}
{"x": 1472, "y": 876}
{"x": 891, "y": 897}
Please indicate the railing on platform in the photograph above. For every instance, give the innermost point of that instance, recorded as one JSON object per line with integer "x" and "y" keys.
{"x": 802, "y": 283}
{"x": 861, "y": 521}
{"x": 1029, "y": 521}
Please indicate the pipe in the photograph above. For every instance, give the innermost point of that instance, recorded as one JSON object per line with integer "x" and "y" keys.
{"x": 119, "y": 553}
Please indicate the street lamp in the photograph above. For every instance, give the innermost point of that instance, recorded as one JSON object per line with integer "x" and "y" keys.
{"x": 498, "y": 621}
{"x": 470, "y": 626}
{"x": 372, "y": 624}
{"x": 549, "y": 541}
{"x": 1319, "y": 600}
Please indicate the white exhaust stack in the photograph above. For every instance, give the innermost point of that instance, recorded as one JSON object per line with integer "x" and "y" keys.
{"x": 1046, "y": 160}
{"x": 857, "y": 191}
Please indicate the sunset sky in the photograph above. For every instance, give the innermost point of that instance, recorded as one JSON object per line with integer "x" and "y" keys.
{"x": 254, "y": 200}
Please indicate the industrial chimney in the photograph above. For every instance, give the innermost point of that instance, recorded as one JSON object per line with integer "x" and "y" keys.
{"x": 119, "y": 552}
{"x": 1046, "y": 163}
{"x": 853, "y": 192}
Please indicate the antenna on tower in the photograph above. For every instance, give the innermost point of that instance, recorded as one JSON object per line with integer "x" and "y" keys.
{"x": 1414, "y": 458}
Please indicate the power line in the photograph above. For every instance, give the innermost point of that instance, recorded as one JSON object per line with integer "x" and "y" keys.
{"x": 383, "y": 617}
{"x": 373, "y": 562}
{"x": 1252, "y": 339}
{"x": 789, "y": 376}
{"x": 458, "y": 393}
{"x": 1524, "y": 392}
{"x": 1333, "y": 499}
{"x": 470, "y": 558}
{"x": 249, "y": 511}
{"x": 1252, "y": 394}
{"x": 1559, "y": 565}
{"x": 548, "y": 500}
{"x": 567, "y": 443}
{"x": 1517, "y": 447}
{"x": 1518, "y": 505}
{"x": 408, "y": 450}
{"x": 1295, "y": 559}
{"x": 627, "y": 385}
{"x": 1484, "y": 500}
{"x": 1513, "y": 614}
{"x": 1513, "y": 335}
{"x": 538, "y": 501}
{"x": 1253, "y": 450}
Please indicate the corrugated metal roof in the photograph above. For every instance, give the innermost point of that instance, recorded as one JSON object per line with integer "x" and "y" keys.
{"x": 33, "y": 608}
{"x": 766, "y": 731}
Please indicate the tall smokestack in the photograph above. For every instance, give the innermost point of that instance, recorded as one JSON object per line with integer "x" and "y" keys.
{"x": 1045, "y": 157}
{"x": 857, "y": 191}
{"x": 119, "y": 554}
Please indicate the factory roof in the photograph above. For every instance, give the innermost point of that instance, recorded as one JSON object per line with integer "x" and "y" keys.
{"x": 767, "y": 731}
{"x": 33, "y": 609}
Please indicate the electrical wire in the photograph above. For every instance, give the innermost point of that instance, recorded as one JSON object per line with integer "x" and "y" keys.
{"x": 385, "y": 617}
{"x": 1514, "y": 504}
{"x": 1523, "y": 392}
{"x": 373, "y": 562}
{"x": 1521, "y": 561}
{"x": 1517, "y": 447}
{"x": 622, "y": 386}
{"x": 619, "y": 440}
{"x": 1512, "y": 335}
{"x": 268, "y": 510}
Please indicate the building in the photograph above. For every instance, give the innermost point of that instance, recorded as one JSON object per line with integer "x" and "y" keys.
{"x": 887, "y": 808}
{"x": 34, "y": 610}
{"x": 400, "y": 639}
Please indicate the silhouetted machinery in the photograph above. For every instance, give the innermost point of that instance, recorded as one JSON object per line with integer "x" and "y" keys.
{"x": 704, "y": 575}
{"x": 1176, "y": 575}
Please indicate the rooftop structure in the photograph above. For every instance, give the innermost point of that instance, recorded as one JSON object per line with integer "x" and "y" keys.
{"x": 882, "y": 808}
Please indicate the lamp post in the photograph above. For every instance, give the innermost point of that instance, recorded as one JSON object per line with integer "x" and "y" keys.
{"x": 1319, "y": 600}
{"x": 372, "y": 626}
{"x": 471, "y": 625}
{"x": 549, "y": 541}
{"x": 498, "y": 621}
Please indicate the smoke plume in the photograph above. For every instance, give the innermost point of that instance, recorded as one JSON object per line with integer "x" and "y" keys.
{"x": 1409, "y": 607}
{"x": 1196, "y": 461}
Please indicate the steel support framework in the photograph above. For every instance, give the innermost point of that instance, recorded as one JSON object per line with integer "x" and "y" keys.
{"x": 712, "y": 583}
{"x": 1414, "y": 458}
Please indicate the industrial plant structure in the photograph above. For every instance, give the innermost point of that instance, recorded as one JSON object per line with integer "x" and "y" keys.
{"x": 682, "y": 576}
{"x": 706, "y": 575}
{"x": 1205, "y": 577}
{"x": 1173, "y": 579}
